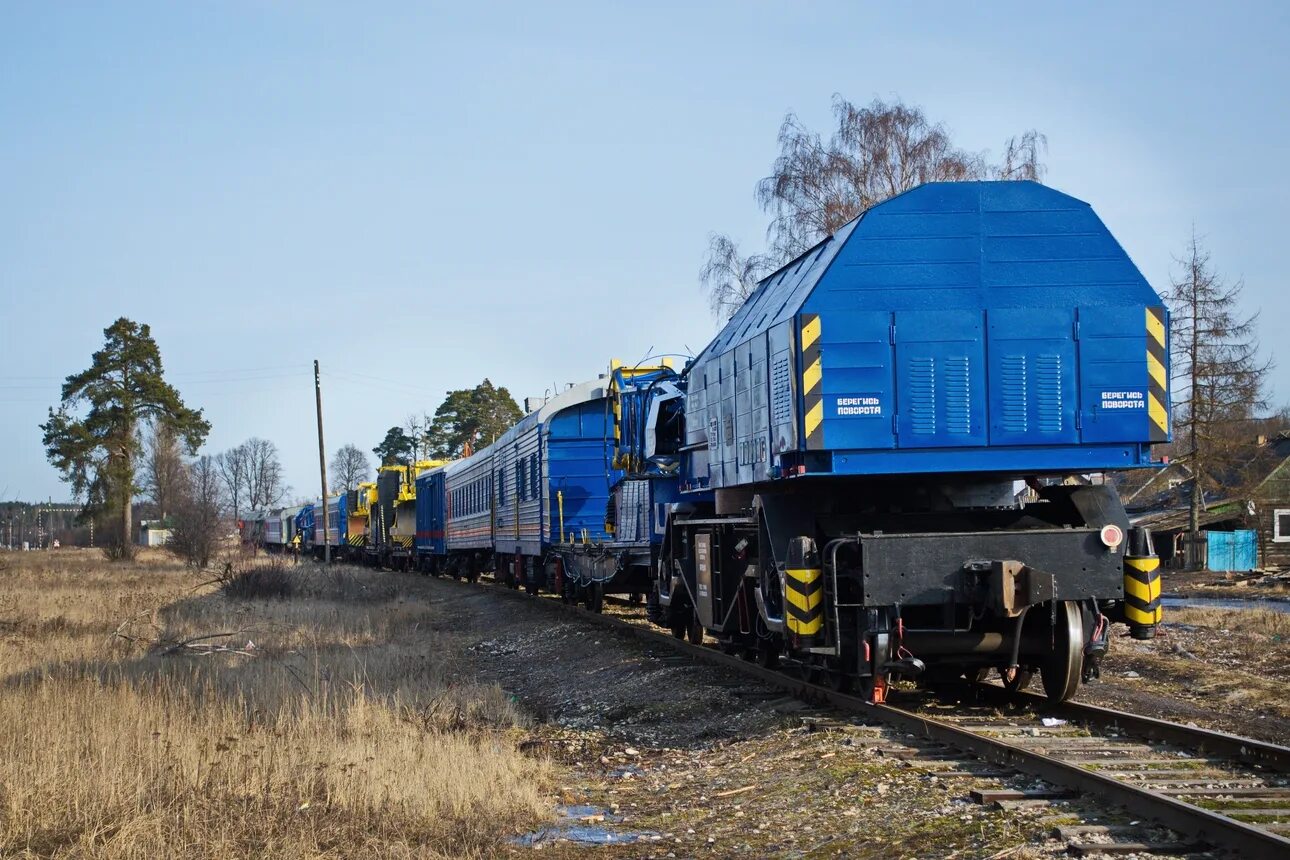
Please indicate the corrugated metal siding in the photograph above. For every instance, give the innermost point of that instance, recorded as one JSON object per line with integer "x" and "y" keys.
{"x": 980, "y": 315}
{"x": 335, "y": 522}
{"x": 468, "y": 499}
{"x": 517, "y": 459}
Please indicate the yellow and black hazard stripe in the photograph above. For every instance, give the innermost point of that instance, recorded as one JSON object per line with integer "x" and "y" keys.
{"x": 1158, "y": 375}
{"x": 1142, "y": 591}
{"x": 805, "y": 601}
{"x": 812, "y": 375}
{"x": 803, "y": 591}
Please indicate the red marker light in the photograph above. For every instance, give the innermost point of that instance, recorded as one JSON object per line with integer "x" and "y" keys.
{"x": 1112, "y": 536}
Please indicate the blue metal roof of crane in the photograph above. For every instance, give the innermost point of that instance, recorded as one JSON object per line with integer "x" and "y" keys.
{"x": 948, "y": 245}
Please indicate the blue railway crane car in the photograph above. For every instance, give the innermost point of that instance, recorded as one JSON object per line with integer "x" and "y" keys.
{"x": 855, "y": 437}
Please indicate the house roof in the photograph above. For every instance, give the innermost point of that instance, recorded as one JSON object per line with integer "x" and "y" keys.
{"x": 1180, "y": 518}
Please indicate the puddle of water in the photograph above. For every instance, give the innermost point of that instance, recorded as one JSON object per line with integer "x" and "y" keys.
{"x": 573, "y": 825}
{"x": 1236, "y": 603}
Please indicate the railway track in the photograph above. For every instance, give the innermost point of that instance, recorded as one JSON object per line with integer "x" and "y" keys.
{"x": 1218, "y": 791}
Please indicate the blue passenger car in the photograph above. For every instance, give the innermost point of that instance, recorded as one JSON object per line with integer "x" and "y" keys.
{"x": 336, "y": 526}
{"x": 503, "y": 507}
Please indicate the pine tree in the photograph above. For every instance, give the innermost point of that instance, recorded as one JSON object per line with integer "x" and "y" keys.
{"x": 397, "y": 449}
{"x": 97, "y": 452}
{"x": 472, "y": 418}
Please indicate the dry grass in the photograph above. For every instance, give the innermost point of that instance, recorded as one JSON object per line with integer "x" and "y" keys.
{"x": 326, "y": 725}
{"x": 1252, "y": 622}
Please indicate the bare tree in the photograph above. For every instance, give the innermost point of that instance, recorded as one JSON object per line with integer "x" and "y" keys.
{"x": 418, "y": 430}
{"x": 728, "y": 277}
{"x": 349, "y": 468}
{"x": 164, "y": 471}
{"x": 875, "y": 152}
{"x": 1217, "y": 377}
{"x": 265, "y": 486}
{"x": 199, "y": 515}
{"x": 1021, "y": 158}
{"x": 233, "y": 472}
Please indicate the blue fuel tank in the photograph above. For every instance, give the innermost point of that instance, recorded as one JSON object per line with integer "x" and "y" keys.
{"x": 961, "y": 327}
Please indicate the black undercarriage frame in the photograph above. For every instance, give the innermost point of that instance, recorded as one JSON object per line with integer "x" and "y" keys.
{"x": 906, "y": 591}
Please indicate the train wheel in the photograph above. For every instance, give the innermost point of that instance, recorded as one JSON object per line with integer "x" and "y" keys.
{"x": 679, "y": 625}
{"x": 768, "y": 652}
{"x": 1061, "y": 670}
{"x": 695, "y": 630}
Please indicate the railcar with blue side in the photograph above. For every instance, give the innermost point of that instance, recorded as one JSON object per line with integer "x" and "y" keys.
{"x": 642, "y": 486}
{"x": 855, "y": 438}
{"x": 431, "y": 513}
{"x": 503, "y": 508}
{"x": 335, "y": 536}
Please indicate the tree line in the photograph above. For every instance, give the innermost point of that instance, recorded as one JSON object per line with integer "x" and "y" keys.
{"x": 122, "y": 433}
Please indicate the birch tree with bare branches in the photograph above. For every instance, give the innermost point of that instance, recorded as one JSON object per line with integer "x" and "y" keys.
{"x": 817, "y": 185}
{"x": 199, "y": 514}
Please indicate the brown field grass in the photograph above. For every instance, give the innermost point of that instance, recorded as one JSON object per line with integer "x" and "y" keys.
{"x": 1252, "y": 622}
{"x": 328, "y": 724}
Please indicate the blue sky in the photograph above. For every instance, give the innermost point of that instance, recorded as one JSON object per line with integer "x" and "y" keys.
{"x": 430, "y": 195}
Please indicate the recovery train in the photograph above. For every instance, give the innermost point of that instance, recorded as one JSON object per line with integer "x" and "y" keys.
{"x": 877, "y": 469}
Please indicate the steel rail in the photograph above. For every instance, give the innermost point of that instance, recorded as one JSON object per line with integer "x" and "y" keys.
{"x": 1248, "y": 750}
{"x": 1206, "y": 825}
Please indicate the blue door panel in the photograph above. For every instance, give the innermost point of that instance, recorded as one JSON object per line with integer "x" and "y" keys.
{"x": 1033, "y": 387}
{"x": 856, "y": 356}
{"x": 1113, "y": 374}
{"x": 1231, "y": 551}
{"x": 940, "y": 379}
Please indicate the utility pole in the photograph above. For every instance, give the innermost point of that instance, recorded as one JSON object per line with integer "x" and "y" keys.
{"x": 322, "y": 463}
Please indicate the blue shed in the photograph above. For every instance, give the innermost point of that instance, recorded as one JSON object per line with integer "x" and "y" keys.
{"x": 959, "y": 327}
